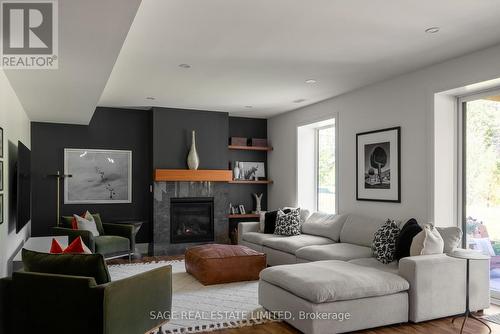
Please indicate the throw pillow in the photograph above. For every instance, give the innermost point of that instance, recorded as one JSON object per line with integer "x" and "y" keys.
{"x": 270, "y": 221}
{"x": 304, "y": 213}
{"x": 427, "y": 242}
{"x": 87, "y": 224}
{"x": 55, "y": 247}
{"x": 75, "y": 247}
{"x": 403, "y": 244}
{"x": 384, "y": 241}
{"x": 451, "y": 237}
{"x": 288, "y": 224}
{"x": 88, "y": 265}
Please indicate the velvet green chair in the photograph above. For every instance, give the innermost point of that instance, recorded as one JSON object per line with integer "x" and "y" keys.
{"x": 83, "y": 301}
{"x": 114, "y": 240}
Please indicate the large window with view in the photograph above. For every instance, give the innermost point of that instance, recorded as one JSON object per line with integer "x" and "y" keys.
{"x": 316, "y": 176}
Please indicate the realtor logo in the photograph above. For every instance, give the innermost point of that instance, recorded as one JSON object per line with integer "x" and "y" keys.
{"x": 29, "y": 35}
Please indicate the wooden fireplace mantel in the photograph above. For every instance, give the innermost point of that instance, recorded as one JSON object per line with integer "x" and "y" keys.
{"x": 212, "y": 175}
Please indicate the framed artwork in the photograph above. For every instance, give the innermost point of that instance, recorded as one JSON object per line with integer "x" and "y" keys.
{"x": 1, "y": 175}
{"x": 97, "y": 176}
{"x": 242, "y": 209}
{"x": 252, "y": 170}
{"x": 378, "y": 165}
{"x": 1, "y": 208}
{"x": 1, "y": 142}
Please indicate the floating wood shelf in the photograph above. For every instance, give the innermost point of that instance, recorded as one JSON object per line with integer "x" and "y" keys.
{"x": 251, "y": 182}
{"x": 216, "y": 175}
{"x": 247, "y": 215}
{"x": 250, "y": 148}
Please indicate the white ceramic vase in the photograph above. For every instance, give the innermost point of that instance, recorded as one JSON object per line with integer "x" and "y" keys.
{"x": 236, "y": 171}
{"x": 193, "y": 161}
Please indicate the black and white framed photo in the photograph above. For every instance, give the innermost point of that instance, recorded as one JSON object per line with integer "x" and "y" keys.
{"x": 378, "y": 165}
{"x": 1, "y": 143}
{"x": 252, "y": 170}
{"x": 242, "y": 209}
{"x": 97, "y": 176}
{"x": 1, "y": 175}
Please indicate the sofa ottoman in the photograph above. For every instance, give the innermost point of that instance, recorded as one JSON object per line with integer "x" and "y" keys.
{"x": 216, "y": 264}
{"x": 334, "y": 296}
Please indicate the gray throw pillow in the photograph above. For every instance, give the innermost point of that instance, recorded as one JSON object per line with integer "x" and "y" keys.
{"x": 451, "y": 237}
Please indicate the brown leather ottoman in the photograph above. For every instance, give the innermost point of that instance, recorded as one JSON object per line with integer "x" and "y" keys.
{"x": 216, "y": 264}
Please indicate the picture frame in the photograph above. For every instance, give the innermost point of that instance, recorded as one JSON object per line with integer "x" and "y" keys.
{"x": 97, "y": 176}
{"x": 1, "y": 143}
{"x": 252, "y": 170}
{"x": 242, "y": 209}
{"x": 1, "y": 176}
{"x": 1, "y": 209}
{"x": 378, "y": 165}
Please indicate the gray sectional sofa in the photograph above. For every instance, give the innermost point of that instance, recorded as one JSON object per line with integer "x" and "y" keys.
{"x": 329, "y": 270}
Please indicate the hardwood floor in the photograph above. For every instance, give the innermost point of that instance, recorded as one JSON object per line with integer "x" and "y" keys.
{"x": 440, "y": 326}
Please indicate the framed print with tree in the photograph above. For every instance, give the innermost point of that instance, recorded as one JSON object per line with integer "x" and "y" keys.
{"x": 98, "y": 176}
{"x": 378, "y": 165}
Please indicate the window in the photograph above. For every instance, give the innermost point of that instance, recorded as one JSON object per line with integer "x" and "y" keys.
{"x": 316, "y": 173}
{"x": 325, "y": 169}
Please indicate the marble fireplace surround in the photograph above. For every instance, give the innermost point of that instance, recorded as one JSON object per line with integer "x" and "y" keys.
{"x": 165, "y": 190}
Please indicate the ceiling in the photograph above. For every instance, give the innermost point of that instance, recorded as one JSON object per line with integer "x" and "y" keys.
{"x": 248, "y": 58}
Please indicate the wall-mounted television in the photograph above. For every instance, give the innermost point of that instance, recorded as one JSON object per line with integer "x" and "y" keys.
{"x": 23, "y": 186}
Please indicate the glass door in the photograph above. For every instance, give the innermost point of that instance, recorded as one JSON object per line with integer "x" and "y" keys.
{"x": 481, "y": 196}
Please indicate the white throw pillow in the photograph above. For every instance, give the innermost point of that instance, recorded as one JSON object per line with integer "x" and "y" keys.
{"x": 451, "y": 237}
{"x": 427, "y": 242}
{"x": 87, "y": 224}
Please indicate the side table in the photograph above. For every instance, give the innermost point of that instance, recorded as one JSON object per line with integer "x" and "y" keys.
{"x": 468, "y": 255}
{"x": 137, "y": 224}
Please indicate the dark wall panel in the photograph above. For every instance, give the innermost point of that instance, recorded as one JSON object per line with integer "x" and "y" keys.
{"x": 110, "y": 128}
{"x": 172, "y": 138}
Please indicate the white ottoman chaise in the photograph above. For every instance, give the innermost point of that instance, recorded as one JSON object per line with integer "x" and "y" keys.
{"x": 334, "y": 296}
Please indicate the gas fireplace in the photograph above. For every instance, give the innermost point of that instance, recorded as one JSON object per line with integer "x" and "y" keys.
{"x": 191, "y": 219}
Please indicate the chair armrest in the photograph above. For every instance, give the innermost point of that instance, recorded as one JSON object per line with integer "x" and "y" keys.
{"x": 438, "y": 286}
{"x": 246, "y": 227}
{"x": 131, "y": 305}
{"x": 121, "y": 230}
{"x": 87, "y": 236}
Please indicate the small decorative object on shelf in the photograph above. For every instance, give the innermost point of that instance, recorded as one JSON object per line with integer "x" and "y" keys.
{"x": 236, "y": 171}
{"x": 259, "y": 142}
{"x": 234, "y": 210}
{"x": 238, "y": 141}
{"x": 258, "y": 201}
{"x": 193, "y": 161}
{"x": 242, "y": 209}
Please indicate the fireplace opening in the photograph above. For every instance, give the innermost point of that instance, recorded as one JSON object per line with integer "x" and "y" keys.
{"x": 191, "y": 219}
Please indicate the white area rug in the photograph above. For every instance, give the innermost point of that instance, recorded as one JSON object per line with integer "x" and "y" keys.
{"x": 199, "y": 308}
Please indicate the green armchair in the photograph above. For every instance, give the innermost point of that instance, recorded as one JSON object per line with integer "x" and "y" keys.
{"x": 114, "y": 240}
{"x": 54, "y": 303}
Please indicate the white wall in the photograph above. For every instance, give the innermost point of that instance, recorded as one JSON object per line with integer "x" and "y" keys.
{"x": 406, "y": 101}
{"x": 16, "y": 126}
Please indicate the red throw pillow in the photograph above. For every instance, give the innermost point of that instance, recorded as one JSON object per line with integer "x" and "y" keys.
{"x": 55, "y": 248}
{"x": 77, "y": 247}
{"x": 74, "y": 224}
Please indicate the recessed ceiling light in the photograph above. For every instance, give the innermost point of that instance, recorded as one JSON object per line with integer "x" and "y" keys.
{"x": 299, "y": 100}
{"x": 432, "y": 30}
{"x": 150, "y": 98}
{"x": 249, "y": 107}
{"x": 184, "y": 65}
{"x": 310, "y": 81}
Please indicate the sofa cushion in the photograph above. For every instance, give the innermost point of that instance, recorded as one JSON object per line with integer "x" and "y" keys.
{"x": 338, "y": 251}
{"x": 451, "y": 237}
{"x": 288, "y": 224}
{"x": 324, "y": 225}
{"x": 107, "y": 244}
{"x": 374, "y": 263}
{"x": 293, "y": 243}
{"x": 87, "y": 265}
{"x": 258, "y": 238}
{"x": 409, "y": 230}
{"x": 360, "y": 230}
{"x": 329, "y": 281}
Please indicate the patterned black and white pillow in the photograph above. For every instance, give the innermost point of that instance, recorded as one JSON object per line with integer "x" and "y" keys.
{"x": 384, "y": 242}
{"x": 288, "y": 223}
